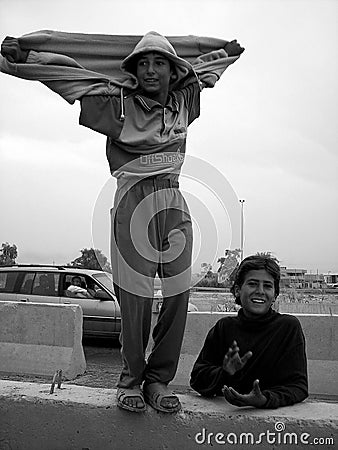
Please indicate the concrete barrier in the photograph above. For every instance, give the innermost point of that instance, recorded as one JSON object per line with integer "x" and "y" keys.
{"x": 77, "y": 417}
{"x": 321, "y": 345}
{"x": 303, "y": 302}
{"x": 39, "y": 339}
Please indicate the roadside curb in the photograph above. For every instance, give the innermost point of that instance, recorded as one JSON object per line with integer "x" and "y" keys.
{"x": 78, "y": 417}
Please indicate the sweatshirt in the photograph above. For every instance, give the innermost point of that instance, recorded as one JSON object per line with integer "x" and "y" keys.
{"x": 278, "y": 361}
{"x": 78, "y": 64}
{"x": 143, "y": 138}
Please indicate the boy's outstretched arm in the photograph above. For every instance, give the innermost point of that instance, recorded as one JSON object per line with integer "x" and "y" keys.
{"x": 60, "y": 73}
{"x": 11, "y": 50}
{"x": 210, "y": 66}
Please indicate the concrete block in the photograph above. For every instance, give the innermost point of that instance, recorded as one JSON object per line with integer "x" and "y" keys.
{"x": 38, "y": 339}
{"x": 323, "y": 377}
{"x": 320, "y": 332}
{"x": 78, "y": 417}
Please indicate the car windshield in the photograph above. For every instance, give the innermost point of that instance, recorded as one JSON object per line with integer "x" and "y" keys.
{"x": 106, "y": 279}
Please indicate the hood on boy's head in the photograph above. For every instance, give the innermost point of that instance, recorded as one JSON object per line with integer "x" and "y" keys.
{"x": 155, "y": 42}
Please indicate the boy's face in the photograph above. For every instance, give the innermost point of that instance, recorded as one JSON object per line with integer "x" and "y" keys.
{"x": 153, "y": 72}
{"x": 76, "y": 282}
{"x": 257, "y": 293}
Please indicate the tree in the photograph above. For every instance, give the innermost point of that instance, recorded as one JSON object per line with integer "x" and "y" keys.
{"x": 230, "y": 260}
{"x": 209, "y": 280}
{"x": 8, "y": 254}
{"x": 92, "y": 258}
{"x": 228, "y": 264}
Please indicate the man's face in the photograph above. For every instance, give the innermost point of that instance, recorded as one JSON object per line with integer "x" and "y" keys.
{"x": 153, "y": 72}
{"x": 76, "y": 282}
{"x": 257, "y": 293}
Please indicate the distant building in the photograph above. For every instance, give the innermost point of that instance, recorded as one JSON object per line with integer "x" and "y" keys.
{"x": 330, "y": 278}
{"x": 300, "y": 279}
{"x": 314, "y": 281}
{"x": 292, "y": 278}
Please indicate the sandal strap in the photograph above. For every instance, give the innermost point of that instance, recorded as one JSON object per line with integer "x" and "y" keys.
{"x": 123, "y": 393}
{"x": 159, "y": 391}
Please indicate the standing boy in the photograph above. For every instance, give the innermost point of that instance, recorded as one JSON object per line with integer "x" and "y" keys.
{"x": 145, "y": 119}
{"x": 258, "y": 357}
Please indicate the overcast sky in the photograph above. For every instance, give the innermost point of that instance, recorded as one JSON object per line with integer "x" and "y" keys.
{"x": 269, "y": 127}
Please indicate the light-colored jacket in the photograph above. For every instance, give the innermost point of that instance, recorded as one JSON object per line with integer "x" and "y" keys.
{"x": 76, "y": 64}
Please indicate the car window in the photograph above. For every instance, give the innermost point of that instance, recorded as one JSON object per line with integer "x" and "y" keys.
{"x": 46, "y": 283}
{"x": 7, "y": 281}
{"x": 78, "y": 285}
{"x": 27, "y": 283}
{"x": 106, "y": 279}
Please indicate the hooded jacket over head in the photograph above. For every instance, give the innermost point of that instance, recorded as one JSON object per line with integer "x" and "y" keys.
{"x": 143, "y": 137}
{"x": 155, "y": 42}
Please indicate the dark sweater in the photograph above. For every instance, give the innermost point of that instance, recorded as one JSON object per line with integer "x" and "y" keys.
{"x": 278, "y": 361}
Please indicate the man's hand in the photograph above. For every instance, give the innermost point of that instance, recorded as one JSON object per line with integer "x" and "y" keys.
{"x": 254, "y": 398}
{"x": 10, "y": 49}
{"x": 232, "y": 362}
{"x": 233, "y": 48}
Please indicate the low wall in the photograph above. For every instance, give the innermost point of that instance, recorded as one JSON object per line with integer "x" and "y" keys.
{"x": 299, "y": 303}
{"x": 321, "y": 345}
{"x": 39, "y": 339}
{"x": 77, "y": 417}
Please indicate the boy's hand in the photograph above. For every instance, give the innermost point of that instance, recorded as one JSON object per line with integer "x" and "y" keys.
{"x": 10, "y": 49}
{"x": 233, "y": 48}
{"x": 232, "y": 362}
{"x": 254, "y": 398}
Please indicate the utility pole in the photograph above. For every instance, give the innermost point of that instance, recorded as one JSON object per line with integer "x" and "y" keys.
{"x": 242, "y": 228}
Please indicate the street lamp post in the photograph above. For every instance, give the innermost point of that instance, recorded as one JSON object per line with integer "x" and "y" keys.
{"x": 242, "y": 228}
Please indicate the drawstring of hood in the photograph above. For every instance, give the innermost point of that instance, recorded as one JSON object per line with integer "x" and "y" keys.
{"x": 122, "y": 115}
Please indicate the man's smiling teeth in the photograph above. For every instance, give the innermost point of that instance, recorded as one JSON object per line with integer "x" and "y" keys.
{"x": 258, "y": 300}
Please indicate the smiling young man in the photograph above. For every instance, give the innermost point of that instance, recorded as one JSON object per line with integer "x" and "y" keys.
{"x": 257, "y": 358}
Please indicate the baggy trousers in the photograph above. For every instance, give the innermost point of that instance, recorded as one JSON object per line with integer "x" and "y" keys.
{"x": 151, "y": 233}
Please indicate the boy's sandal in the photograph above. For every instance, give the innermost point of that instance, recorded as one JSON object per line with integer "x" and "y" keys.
{"x": 124, "y": 393}
{"x": 154, "y": 393}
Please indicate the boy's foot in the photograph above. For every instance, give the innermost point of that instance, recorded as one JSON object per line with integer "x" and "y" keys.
{"x": 131, "y": 399}
{"x": 161, "y": 398}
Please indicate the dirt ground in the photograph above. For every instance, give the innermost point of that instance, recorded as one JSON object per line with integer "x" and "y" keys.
{"x": 103, "y": 366}
{"x": 103, "y": 360}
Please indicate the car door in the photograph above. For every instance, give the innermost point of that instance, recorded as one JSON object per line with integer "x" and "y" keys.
{"x": 98, "y": 306}
{"x": 39, "y": 287}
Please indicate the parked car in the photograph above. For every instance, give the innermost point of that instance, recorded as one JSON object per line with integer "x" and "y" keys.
{"x": 54, "y": 284}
